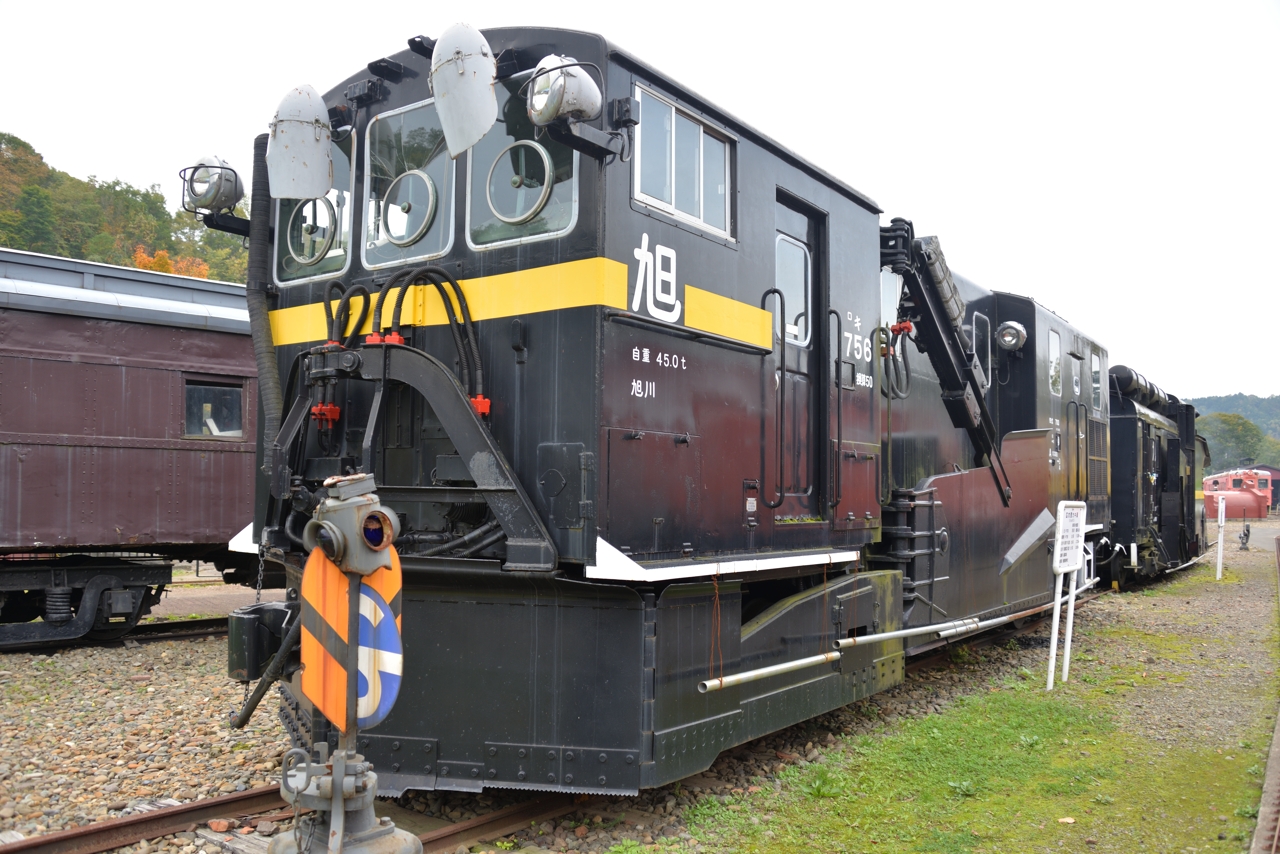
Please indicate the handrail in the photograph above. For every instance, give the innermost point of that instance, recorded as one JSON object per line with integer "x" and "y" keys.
{"x": 837, "y": 484}
{"x": 782, "y": 403}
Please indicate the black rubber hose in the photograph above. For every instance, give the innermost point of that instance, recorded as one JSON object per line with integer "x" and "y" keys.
{"x": 462, "y": 541}
{"x": 264, "y": 350}
{"x": 450, "y": 315}
{"x": 328, "y": 309}
{"x": 358, "y": 290}
{"x": 294, "y": 538}
{"x": 382, "y": 297}
{"x": 493, "y": 539}
{"x": 273, "y": 671}
{"x": 466, "y": 319}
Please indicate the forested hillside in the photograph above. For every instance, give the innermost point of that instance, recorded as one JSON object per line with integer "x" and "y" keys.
{"x": 45, "y": 210}
{"x": 1263, "y": 411}
{"x": 1235, "y": 441}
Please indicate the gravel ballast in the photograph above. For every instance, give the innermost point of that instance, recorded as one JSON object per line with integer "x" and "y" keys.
{"x": 94, "y": 733}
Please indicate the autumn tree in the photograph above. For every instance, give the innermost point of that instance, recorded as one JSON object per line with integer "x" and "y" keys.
{"x": 46, "y": 210}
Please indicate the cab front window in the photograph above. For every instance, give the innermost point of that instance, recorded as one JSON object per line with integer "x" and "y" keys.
{"x": 522, "y": 185}
{"x": 313, "y": 236}
{"x": 409, "y": 187}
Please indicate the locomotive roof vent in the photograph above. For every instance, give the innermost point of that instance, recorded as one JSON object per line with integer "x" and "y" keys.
{"x": 299, "y": 159}
{"x": 463, "y": 71}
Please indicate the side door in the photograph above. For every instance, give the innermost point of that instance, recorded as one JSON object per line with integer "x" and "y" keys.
{"x": 798, "y": 337}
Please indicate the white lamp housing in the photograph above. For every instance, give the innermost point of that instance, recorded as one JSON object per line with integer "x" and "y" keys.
{"x": 463, "y": 71}
{"x": 299, "y": 159}
{"x": 559, "y": 89}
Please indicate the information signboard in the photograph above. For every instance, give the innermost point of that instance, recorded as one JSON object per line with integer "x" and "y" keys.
{"x": 1068, "y": 544}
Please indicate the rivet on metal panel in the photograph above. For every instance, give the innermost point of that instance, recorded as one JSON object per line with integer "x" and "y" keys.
{"x": 551, "y": 754}
{"x": 493, "y": 751}
{"x": 426, "y": 748}
{"x": 520, "y": 776}
{"x": 551, "y": 778}
{"x": 568, "y": 778}
{"x": 630, "y": 759}
{"x": 475, "y": 772}
{"x": 444, "y": 770}
{"x": 493, "y": 772}
{"x": 395, "y": 745}
{"x": 395, "y": 766}
{"x": 568, "y": 757}
{"x": 522, "y": 753}
{"x": 604, "y": 758}
{"x": 601, "y": 780}
{"x": 426, "y": 769}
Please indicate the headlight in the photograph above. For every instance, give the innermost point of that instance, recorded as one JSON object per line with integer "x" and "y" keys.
{"x": 327, "y": 537}
{"x": 561, "y": 88}
{"x": 380, "y": 530}
{"x": 1011, "y": 335}
{"x": 211, "y": 185}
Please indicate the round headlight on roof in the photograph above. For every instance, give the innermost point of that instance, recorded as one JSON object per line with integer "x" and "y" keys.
{"x": 561, "y": 88}
{"x": 1011, "y": 335}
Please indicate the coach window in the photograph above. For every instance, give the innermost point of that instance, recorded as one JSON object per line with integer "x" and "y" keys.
{"x": 313, "y": 236}
{"x": 408, "y": 188}
{"x": 1055, "y": 363}
{"x": 792, "y": 278}
{"x": 214, "y": 409}
{"x": 682, "y": 166}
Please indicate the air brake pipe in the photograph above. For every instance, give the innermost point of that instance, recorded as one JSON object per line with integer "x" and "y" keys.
{"x": 953, "y": 628}
{"x": 998, "y": 621}
{"x": 766, "y": 672}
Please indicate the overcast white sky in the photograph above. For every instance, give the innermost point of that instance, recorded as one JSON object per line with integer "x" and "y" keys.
{"x": 1115, "y": 160}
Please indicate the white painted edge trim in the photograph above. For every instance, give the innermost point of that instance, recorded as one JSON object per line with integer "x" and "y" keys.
{"x": 613, "y": 565}
{"x": 243, "y": 541}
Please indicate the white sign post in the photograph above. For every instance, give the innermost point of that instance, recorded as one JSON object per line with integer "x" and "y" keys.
{"x": 1222, "y": 523}
{"x": 1068, "y": 557}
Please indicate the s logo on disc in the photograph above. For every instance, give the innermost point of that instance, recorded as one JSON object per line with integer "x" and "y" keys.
{"x": 381, "y": 659}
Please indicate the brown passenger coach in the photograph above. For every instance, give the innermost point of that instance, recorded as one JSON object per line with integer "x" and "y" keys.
{"x": 128, "y": 411}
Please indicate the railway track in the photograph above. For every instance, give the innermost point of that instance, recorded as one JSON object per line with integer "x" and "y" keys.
{"x": 142, "y": 633}
{"x": 266, "y": 801}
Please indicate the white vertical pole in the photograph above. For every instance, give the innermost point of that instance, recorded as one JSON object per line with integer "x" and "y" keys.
{"x": 1053, "y": 638}
{"x": 1222, "y": 524}
{"x": 1071, "y": 618}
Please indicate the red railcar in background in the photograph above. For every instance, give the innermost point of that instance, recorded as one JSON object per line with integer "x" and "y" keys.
{"x": 1247, "y": 493}
{"x": 128, "y": 417}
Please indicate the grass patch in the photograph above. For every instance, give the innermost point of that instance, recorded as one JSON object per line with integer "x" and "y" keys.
{"x": 996, "y": 773}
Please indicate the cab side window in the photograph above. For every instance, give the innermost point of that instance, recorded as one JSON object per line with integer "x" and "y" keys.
{"x": 681, "y": 164}
{"x": 1055, "y": 363}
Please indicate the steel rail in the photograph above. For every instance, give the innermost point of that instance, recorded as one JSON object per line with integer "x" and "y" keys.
{"x": 498, "y": 823}
{"x": 129, "y": 830}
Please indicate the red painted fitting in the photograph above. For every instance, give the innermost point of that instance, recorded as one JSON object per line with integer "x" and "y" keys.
{"x": 326, "y": 413}
{"x": 375, "y": 338}
{"x": 481, "y": 404}
{"x": 393, "y": 338}
{"x": 904, "y": 326}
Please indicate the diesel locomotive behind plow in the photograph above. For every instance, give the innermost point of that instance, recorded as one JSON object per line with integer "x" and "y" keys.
{"x": 676, "y": 444}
